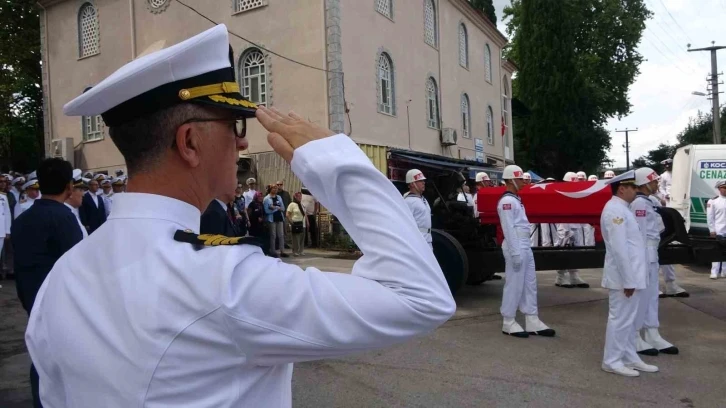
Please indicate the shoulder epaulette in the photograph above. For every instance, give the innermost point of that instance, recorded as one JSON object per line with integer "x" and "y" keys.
{"x": 211, "y": 240}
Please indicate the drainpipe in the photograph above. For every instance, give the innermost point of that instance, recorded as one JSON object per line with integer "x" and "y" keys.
{"x": 133, "y": 29}
{"x": 441, "y": 79}
{"x": 47, "y": 70}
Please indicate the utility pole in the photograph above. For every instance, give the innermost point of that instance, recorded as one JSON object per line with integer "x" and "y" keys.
{"x": 627, "y": 146}
{"x": 714, "y": 89}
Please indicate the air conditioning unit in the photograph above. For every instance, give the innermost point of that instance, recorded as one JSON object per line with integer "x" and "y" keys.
{"x": 448, "y": 137}
{"x": 62, "y": 148}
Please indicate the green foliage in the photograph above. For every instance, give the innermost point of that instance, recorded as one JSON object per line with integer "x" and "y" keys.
{"x": 21, "y": 113}
{"x": 577, "y": 60}
{"x": 486, "y": 7}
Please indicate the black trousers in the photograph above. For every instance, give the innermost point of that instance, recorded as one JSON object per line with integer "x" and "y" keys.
{"x": 35, "y": 387}
{"x": 312, "y": 232}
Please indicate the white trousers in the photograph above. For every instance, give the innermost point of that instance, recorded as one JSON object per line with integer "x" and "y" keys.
{"x": 718, "y": 268}
{"x": 578, "y": 241}
{"x": 620, "y": 333}
{"x": 589, "y": 234}
{"x": 647, "y": 316}
{"x": 669, "y": 272}
{"x": 534, "y": 235}
{"x": 520, "y": 286}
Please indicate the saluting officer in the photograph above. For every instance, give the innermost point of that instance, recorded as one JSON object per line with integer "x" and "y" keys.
{"x": 420, "y": 208}
{"x": 520, "y": 286}
{"x": 625, "y": 275}
{"x": 171, "y": 318}
{"x": 648, "y": 340}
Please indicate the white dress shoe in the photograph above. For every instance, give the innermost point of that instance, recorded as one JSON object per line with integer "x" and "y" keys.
{"x": 511, "y": 328}
{"x": 641, "y": 366}
{"x": 625, "y": 371}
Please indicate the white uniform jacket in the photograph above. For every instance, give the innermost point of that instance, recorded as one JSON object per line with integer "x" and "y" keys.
{"x": 77, "y": 214}
{"x": 421, "y": 212}
{"x": 129, "y": 317}
{"x": 716, "y": 215}
{"x": 650, "y": 224}
{"x": 515, "y": 225}
{"x": 625, "y": 260}
{"x": 664, "y": 185}
{"x": 6, "y": 218}
{"x": 107, "y": 202}
{"x": 23, "y": 205}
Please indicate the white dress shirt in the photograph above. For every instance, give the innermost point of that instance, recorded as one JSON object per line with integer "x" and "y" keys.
{"x": 160, "y": 323}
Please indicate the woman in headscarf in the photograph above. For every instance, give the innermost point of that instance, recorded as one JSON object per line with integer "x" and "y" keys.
{"x": 257, "y": 216}
{"x": 296, "y": 218}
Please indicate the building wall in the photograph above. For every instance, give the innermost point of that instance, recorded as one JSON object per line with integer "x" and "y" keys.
{"x": 292, "y": 28}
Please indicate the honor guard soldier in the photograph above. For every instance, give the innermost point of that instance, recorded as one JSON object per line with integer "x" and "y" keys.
{"x": 32, "y": 193}
{"x": 648, "y": 340}
{"x": 520, "y": 285}
{"x": 608, "y": 175}
{"x": 625, "y": 276}
{"x": 146, "y": 312}
{"x": 716, "y": 219}
{"x": 74, "y": 202}
{"x": 570, "y": 235}
{"x": 420, "y": 208}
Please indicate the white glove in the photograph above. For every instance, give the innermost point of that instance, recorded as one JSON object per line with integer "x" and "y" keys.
{"x": 516, "y": 262}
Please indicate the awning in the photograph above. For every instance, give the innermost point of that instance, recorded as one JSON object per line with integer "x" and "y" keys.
{"x": 430, "y": 161}
{"x": 492, "y": 172}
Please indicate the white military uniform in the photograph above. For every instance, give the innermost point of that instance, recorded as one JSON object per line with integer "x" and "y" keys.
{"x": 668, "y": 271}
{"x": 249, "y": 196}
{"x": 23, "y": 205}
{"x": 469, "y": 199}
{"x": 75, "y": 212}
{"x": 6, "y": 219}
{"x": 625, "y": 268}
{"x": 421, "y": 211}
{"x": 716, "y": 219}
{"x": 589, "y": 234}
{"x": 166, "y": 324}
{"x": 664, "y": 185}
{"x": 520, "y": 286}
{"x": 650, "y": 224}
{"x": 108, "y": 202}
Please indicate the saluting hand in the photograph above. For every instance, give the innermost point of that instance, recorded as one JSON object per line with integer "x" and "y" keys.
{"x": 289, "y": 132}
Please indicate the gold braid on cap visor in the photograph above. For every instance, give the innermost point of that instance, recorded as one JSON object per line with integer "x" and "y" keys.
{"x": 206, "y": 90}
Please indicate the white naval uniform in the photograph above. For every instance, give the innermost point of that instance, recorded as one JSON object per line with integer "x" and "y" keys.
{"x": 160, "y": 323}
{"x": 625, "y": 268}
{"x": 568, "y": 235}
{"x": 421, "y": 212}
{"x": 664, "y": 185}
{"x": 716, "y": 219}
{"x": 6, "y": 219}
{"x": 75, "y": 212}
{"x": 650, "y": 224}
{"x": 589, "y": 234}
{"x": 520, "y": 286}
{"x": 23, "y": 205}
{"x": 107, "y": 202}
{"x": 470, "y": 201}
{"x": 668, "y": 271}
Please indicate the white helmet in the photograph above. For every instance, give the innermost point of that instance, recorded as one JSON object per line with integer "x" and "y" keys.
{"x": 645, "y": 175}
{"x": 570, "y": 176}
{"x": 581, "y": 175}
{"x": 592, "y": 178}
{"x": 481, "y": 176}
{"x": 512, "y": 172}
{"x": 527, "y": 176}
{"x": 609, "y": 174}
{"x": 414, "y": 175}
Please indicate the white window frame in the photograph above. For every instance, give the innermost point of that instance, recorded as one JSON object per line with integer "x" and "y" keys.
{"x": 465, "y": 116}
{"x": 386, "y": 84}
{"x": 490, "y": 125}
{"x": 432, "y": 104}
{"x": 431, "y": 39}
{"x": 488, "y": 63}
{"x": 380, "y": 11}
{"x": 84, "y": 52}
{"x": 505, "y": 116}
{"x": 463, "y": 46}
{"x": 93, "y": 128}
{"x": 259, "y": 80}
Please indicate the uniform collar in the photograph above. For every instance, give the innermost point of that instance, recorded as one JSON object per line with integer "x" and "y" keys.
{"x": 158, "y": 207}
{"x": 620, "y": 201}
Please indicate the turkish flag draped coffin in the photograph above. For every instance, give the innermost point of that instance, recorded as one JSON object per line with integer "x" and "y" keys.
{"x": 578, "y": 202}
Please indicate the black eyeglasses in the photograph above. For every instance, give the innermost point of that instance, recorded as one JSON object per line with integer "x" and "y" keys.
{"x": 240, "y": 125}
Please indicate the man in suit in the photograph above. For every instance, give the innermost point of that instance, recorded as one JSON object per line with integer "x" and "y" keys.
{"x": 217, "y": 218}
{"x": 93, "y": 210}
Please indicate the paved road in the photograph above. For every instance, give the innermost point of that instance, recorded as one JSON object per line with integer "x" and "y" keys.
{"x": 469, "y": 363}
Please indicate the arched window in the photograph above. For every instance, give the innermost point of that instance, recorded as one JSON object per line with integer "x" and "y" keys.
{"x": 386, "y": 102}
{"x": 432, "y": 103}
{"x": 88, "y": 36}
{"x": 253, "y": 76}
{"x": 465, "y": 116}
{"x": 488, "y": 63}
{"x": 463, "y": 46}
{"x": 385, "y": 7}
{"x": 430, "y": 23}
{"x": 490, "y": 125}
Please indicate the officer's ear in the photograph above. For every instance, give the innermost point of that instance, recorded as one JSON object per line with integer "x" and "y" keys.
{"x": 69, "y": 189}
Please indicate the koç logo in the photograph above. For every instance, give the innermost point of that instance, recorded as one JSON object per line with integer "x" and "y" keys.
{"x": 721, "y": 164}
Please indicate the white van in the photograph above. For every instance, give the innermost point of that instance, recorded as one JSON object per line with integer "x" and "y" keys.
{"x": 696, "y": 169}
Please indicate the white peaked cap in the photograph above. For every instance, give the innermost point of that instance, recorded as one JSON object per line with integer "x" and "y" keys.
{"x": 720, "y": 183}
{"x": 30, "y": 183}
{"x": 77, "y": 173}
{"x": 197, "y": 70}
{"x": 17, "y": 180}
{"x": 627, "y": 177}
{"x": 107, "y": 180}
{"x": 33, "y": 175}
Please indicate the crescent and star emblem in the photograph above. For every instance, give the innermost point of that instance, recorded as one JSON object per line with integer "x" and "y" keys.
{"x": 599, "y": 185}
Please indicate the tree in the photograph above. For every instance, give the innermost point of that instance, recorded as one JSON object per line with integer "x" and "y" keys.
{"x": 577, "y": 60}
{"x": 21, "y": 114}
{"x": 486, "y": 7}
{"x": 655, "y": 156}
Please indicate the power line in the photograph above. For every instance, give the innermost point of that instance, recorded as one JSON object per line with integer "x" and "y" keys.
{"x": 675, "y": 21}
{"x": 675, "y": 64}
{"x": 671, "y": 51}
{"x": 342, "y": 75}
